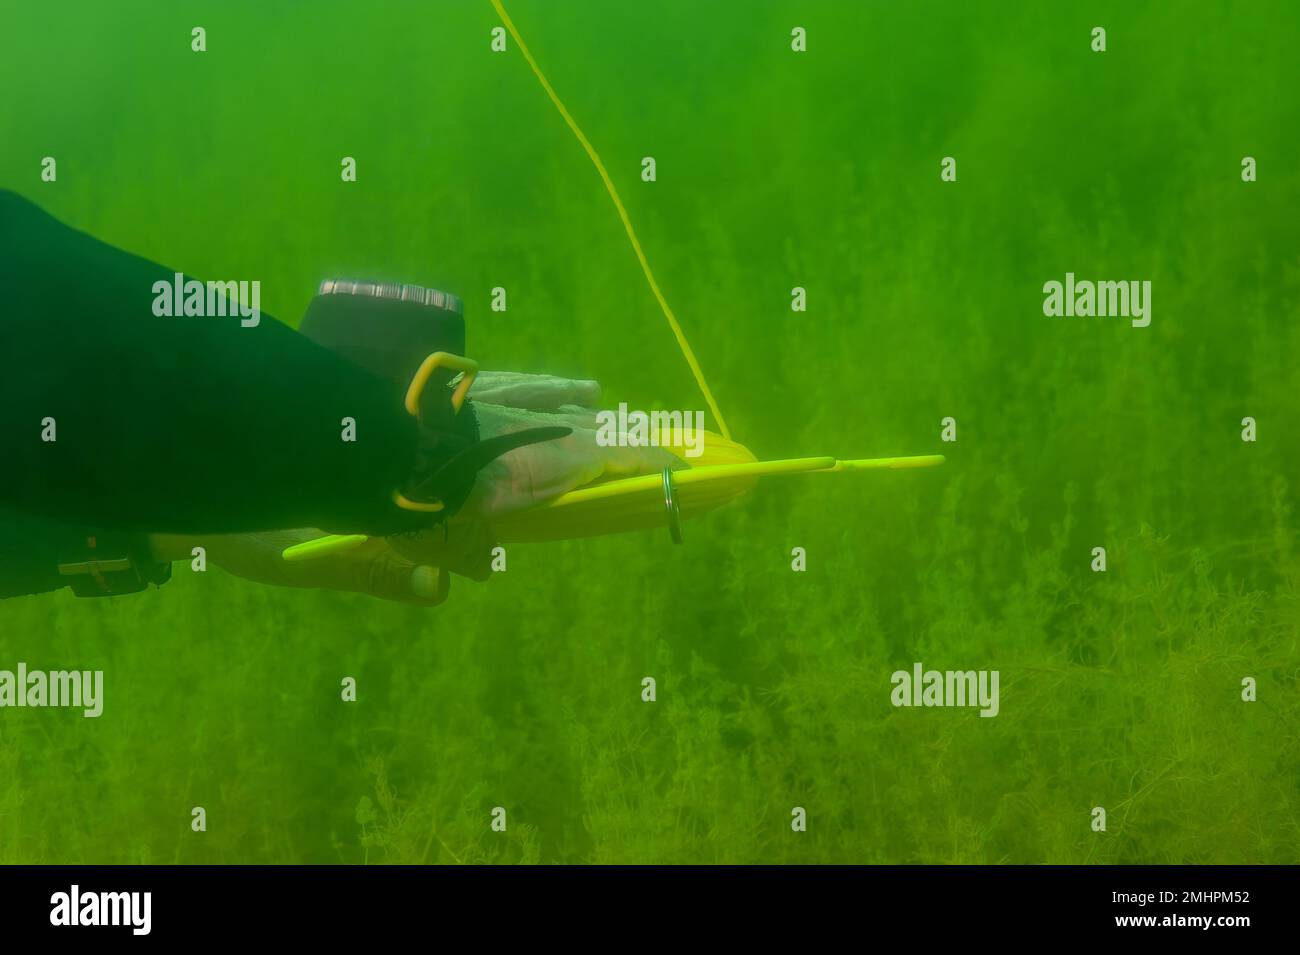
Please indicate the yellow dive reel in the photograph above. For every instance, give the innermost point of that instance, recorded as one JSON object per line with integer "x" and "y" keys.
{"x": 400, "y": 317}
{"x": 724, "y": 471}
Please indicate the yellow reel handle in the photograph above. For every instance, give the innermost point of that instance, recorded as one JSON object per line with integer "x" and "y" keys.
{"x": 441, "y": 359}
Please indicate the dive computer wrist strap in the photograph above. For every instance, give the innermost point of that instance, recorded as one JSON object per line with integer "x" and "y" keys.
{"x": 108, "y": 564}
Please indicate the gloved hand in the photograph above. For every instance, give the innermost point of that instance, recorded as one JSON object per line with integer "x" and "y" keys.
{"x": 410, "y": 567}
{"x": 506, "y": 402}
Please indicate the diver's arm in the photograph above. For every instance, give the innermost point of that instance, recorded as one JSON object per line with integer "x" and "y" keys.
{"x": 115, "y": 417}
{"x": 39, "y": 555}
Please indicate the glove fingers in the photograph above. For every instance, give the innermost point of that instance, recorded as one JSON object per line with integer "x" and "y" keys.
{"x": 541, "y": 472}
{"x": 533, "y": 392}
{"x": 370, "y": 569}
{"x": 391, "y": 577}
{"x": 630, "y": 461}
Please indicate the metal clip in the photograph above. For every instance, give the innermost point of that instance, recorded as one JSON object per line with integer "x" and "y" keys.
{"x": 670, "y": 504}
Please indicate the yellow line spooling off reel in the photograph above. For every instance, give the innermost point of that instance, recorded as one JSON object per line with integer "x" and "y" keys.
{"x": 724, "y": 471}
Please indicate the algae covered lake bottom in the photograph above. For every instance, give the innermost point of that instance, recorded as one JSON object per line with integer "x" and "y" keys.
{"x": 1161, "y": 690}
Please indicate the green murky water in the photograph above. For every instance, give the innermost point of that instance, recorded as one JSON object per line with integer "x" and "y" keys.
{"x": 775, "y": 169}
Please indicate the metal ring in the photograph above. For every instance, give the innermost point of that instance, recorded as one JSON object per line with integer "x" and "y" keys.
{"x": 404, "y": 292}
{"x": 670, "y": 504}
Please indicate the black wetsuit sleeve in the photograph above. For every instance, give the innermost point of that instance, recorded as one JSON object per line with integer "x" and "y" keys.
{"x": 187, "y": 425}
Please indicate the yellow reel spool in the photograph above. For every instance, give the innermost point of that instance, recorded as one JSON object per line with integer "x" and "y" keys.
{"x": 723, "y": 473}
{"x": 629, "y": 504}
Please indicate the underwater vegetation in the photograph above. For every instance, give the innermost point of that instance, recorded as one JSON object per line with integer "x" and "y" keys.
{"x": 1120, "y": 689}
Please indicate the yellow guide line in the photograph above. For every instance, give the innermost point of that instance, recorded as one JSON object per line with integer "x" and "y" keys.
{"x": 622, "y": 214}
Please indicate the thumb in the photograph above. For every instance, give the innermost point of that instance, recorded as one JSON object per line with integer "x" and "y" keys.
{"x": 533, "y": 392}
{"x": 617, "y": 461}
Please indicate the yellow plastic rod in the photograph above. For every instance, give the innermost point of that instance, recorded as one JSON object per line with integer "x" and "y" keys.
{"x": 323, "y": 546}
{"x": 876, "y": 464}
{"x": 718, "y": 472}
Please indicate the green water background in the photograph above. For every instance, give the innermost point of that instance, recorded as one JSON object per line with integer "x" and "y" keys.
{"x": 775, "y": 169}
